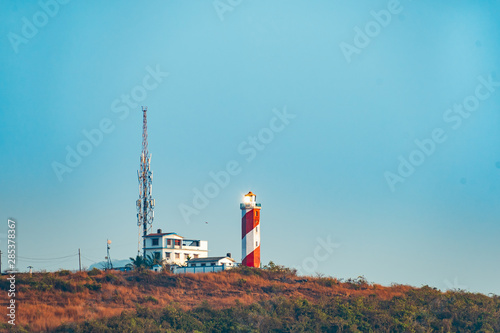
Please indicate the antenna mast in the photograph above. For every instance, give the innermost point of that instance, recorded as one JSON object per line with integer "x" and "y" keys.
{"x": 145, "y": 203}
{"x": 109, "y": 264}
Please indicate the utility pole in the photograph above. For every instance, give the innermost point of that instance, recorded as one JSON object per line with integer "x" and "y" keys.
{"x": 79, "y": 260}
{"x": 145, "y": 203}
{"x": 0, "y": 262}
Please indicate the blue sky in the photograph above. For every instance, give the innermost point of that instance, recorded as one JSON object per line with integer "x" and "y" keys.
{"x": 232, "y": 67}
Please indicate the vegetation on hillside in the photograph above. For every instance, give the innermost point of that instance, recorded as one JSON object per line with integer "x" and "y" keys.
{"x": 140, "y": 263}
{"x": 245, "y": 299}
{"x": 422, "y": 310}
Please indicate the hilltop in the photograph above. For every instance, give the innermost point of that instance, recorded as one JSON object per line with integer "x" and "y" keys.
{"x": 242, "y": 299}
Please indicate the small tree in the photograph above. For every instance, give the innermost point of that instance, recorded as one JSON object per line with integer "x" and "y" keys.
{"x": 279, "y": 269}
{"x": 154, "y": 259}
{"x": 140, "y": 263}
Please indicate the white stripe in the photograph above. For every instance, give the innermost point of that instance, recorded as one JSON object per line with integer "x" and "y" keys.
{"x": 244, "y": 252}
{"x": 250, "y": 242}
{"x": 244, "y": 211}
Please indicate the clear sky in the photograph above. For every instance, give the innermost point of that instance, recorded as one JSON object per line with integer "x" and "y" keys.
{"x": 369, "y": 126}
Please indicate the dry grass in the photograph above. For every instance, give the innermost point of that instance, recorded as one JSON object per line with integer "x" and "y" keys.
{"x": 72, "y": 297}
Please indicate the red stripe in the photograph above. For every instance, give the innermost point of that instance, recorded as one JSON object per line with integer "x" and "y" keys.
{"x": 249, "y": 221}
{"x": 252, "y": 259}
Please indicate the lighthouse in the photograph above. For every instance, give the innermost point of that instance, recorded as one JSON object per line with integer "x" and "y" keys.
{"x": 250, "y": 231}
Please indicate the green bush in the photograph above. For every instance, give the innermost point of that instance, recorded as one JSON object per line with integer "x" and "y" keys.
{"x": 241, "y": 282}
{"x": 149, "y": 299}
{"x": 63, "y": 285}
{"x": 245, "y": 270}
{"x": 326, "y": 281}
{"x": 94, "y": 272}
{"x": 93, "y": 286}
{"x": 114, "y": 279}
{"x": 63, "y": 272}
{"x": 273, "y": 268}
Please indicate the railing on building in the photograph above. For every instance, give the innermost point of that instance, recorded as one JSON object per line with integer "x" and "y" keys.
{"x": 201, "y": 269}
{"x": 249, "y": 205}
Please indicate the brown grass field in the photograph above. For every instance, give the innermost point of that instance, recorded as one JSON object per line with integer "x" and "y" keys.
{"x": 47, "y": 300}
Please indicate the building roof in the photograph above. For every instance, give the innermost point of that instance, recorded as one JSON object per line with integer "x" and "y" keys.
{"x": 209, "y": 259}
{"x": 250, "y": 194}
{"x": 162, "y": 234}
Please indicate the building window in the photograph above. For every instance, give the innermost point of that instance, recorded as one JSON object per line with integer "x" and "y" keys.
{"x": 186, "y": 256}
{"x": 167, "y": 255}
{"x": 212, "y": 264}
{"x": 177, "y": 242}
{"x": 203, "y": 264}
{"x": 169, "y": 242}
{"x": 257, "y": 229}
{"x": 195, "y": 256}
{"x": 155, "y": 241}
{"x": 256, "y": 243}
{"x": 177, "y": 256}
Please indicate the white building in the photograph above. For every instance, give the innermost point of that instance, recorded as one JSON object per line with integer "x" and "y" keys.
{"x": 207, "y": 265}
{"x": 175, "y": 249}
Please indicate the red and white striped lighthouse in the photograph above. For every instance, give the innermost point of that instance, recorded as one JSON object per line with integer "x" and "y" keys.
{"x": 250, "y": 231}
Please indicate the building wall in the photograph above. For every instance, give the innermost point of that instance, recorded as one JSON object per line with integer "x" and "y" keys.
{"x": 182, "y": 250}
{"x": 197, "y": 269}
{"x": 224, "y": 261}
{"x": 163, "y": 243}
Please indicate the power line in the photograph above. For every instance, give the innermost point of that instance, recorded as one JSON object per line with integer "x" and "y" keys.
{"x": 47, "y": 259}
{"x": 59, "y": 263}
{"x": 91, "y": 260}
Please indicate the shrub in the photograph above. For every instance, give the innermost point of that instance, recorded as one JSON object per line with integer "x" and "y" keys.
{"x": 63, "y": 272}
{"x": 149, "y": 299}
{"x": 245, "y": 270}
{"x": 93, "y": 286}
{"x": 272, "y": 289}
{"x": 241, "y": 282}
{"x": 273, "y": 268}
{"x": 94, "y": 272}
{"x": 41, "y": 286}
{"x": 64, "y": 285}
{"x": 326, "y": 281}
{"x": 359, "y": 283}
{"x": 114, "y": 279}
